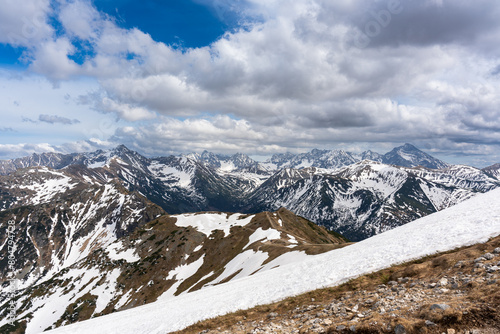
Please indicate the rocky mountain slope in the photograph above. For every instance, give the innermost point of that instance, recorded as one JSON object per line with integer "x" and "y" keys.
{"x": 493, "y": 171}
{"x": 62, "y": 216}
{"x": 165, "y": 258}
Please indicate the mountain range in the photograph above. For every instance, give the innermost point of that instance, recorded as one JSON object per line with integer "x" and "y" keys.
{"x": 336, "y": 189}
{"x": 406, "y": 155}
{"x": 110, "y": 230}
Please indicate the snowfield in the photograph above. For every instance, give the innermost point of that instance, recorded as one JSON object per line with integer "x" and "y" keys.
{"x": 470, "y": 222}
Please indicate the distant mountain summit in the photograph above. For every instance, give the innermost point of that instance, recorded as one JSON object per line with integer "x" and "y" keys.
{"x": 223, "y": 162}
{"x": 492, "y": 171}
{"x": 52, "y": 160}
{"x": 370, "y": 155}
{"x": 328, "y": 159}
{"x": 59, "y": 160}
{"x": 410, "y": 156}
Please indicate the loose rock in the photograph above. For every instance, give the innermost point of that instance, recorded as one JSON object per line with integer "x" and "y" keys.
{"x": 442, "y": 307}
{"x": 488, "y": 256}
{"x": 429, "y": 323}
{"x": 399, "y": 329}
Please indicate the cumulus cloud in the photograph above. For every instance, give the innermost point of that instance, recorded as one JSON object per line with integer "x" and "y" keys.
{"x": 80, "y": 19}
{"x": 217, "y": 133}
{"x": 50, "y": 58}
{"x": 104, "y": 104}
{"x": 125, "y": 111}
{"x": 24, "y": 23}
{"x": 11, "y": 150}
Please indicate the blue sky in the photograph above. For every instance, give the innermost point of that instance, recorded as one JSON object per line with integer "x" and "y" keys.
{"x": 253, "y": 76}
{"x": 173, "y": 22}
{"x": 9, "y": 56}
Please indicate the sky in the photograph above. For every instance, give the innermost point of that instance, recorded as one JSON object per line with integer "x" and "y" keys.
{"x": 251, "y": 76}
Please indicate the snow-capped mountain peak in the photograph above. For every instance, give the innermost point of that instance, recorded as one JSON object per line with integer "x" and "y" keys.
{"x": 225, "y": 163}
{"x": 493, "y": 171}
{"x": 408, "y": 155}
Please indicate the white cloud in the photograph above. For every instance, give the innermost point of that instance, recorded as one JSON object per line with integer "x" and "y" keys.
{"x": 125, "y": 111}
{"x": 80, "y": 19}
{"x": 24, "y": 23}
{"x": 51, "y": 59}
{"x": 8, "y": 151}
{"x": 217, "y": 133}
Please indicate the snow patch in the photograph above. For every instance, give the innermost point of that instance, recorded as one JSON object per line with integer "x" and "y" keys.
{"x": 208, "y": 222}
{"x": 180, "y": 274}
{"x": 263, "y": 235}
{"x": 116, "y": 252}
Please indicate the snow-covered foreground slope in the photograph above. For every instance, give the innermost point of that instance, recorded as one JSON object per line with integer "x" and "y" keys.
{"x": 473, "y": 221}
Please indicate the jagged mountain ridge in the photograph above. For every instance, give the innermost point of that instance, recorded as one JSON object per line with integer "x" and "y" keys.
{"x": 168, "y": 256}
{"x": 406, "y": 155}
{"x": 316, "y": 158}
{"x": 326, "y": 196}
{"x": 238, "y": 161}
